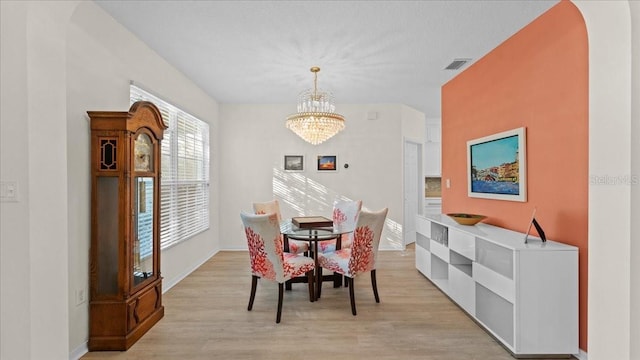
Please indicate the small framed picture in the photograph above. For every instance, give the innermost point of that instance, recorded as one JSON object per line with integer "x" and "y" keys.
{"x": 327, "y": 163}
{"x": 294, "y": 163}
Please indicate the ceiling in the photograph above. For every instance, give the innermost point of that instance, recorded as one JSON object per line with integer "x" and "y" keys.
{"x": 260, "y": 52}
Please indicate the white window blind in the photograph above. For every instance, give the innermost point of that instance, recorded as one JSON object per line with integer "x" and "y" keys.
{"x": 184, "y": 184}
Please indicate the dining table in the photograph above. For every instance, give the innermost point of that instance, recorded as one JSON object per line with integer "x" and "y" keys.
{"x": 314, "y": 233}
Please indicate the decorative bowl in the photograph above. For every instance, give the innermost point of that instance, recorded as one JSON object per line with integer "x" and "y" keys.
{"x": 466, "y": 219}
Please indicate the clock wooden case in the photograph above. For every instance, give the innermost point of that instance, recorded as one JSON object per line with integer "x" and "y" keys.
{"x": 125, "y": 282}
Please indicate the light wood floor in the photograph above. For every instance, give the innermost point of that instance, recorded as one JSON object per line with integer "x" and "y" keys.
{"x": 206, "y": 317}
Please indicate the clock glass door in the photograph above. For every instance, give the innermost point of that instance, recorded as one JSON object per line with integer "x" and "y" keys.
{"x": 143, "y": 230}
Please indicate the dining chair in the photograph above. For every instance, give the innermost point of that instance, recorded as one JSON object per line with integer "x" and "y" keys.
{"x": 268, "y": 259}
{"x": 273, "y": 207}
{"x": 361, "y": 256}
{"x": 345, "y": 216}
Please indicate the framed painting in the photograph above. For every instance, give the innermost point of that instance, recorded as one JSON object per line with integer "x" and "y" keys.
{"x": 327, "y": 163}
{"x": 294, "y": 163}
{"x": 496, "y": 166}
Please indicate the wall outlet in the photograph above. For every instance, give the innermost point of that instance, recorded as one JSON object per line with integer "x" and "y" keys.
{"x": 81, "y": 296}
{"x": 9, "y": 191}
{"x": 448, "y": 183}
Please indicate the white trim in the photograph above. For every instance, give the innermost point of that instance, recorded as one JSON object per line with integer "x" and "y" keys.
{"x": 420, "y": 184}
{"x": 581, "y": 355}
{"x": 78, "y": 352}
{"x": 166, "y": 285}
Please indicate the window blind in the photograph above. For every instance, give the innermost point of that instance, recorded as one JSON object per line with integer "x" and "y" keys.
{"x": 184, "y": 177}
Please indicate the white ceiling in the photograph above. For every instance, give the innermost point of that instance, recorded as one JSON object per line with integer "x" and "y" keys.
{"x": 255, "y": 52}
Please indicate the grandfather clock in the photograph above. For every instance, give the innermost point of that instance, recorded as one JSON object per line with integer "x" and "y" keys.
{"x": 125, "y": 282}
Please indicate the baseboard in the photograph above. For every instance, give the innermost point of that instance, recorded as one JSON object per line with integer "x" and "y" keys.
{"x": 78, "y": 352}
{"x": 166, "y": 285}
{"x": 581, "y": 355}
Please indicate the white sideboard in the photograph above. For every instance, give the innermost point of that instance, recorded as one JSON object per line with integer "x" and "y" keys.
{"x": 525, "y": 295}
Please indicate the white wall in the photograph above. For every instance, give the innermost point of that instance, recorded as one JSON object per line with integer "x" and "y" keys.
{"x": 611, "y": 206}
{"x": 103, "y": 57}
{"x": 45, "y": 233}
{"x": 635, "y": 171}
{"x": 15, "y": 313}
{"x": 255, "y": 141}
{"x": 34, "y": 239}
{"x": 413, "y": 125}
{"x": 60, "y": 59}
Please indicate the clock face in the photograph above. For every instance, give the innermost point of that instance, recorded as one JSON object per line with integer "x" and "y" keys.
{"x": 142, "y": 153}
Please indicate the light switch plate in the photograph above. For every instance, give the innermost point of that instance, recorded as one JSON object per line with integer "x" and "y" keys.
{"x": 9, "y": 191}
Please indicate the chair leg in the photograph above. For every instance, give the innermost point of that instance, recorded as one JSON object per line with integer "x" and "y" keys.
{"x": 319, "y": 281}
{"x": 374, "y": 285}
{"x": 254, "y": 283}
{"x": 311, "y": 286}
{"x": 337, "y": 280}
{"x": 351, "y": 294}
{"x": 280, "y": 293}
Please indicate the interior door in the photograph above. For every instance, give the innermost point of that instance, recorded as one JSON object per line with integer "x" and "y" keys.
{"x": 412, "y": 190}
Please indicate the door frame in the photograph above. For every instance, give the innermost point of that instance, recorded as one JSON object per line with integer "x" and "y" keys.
{"x": 406, "y": 238}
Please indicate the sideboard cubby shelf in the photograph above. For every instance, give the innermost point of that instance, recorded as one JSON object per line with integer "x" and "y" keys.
{"x": 524, "y": 295}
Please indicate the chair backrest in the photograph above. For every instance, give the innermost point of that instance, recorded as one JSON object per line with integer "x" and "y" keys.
{"x": 345, "y": 214}
{"x": 366, "y": 240}
{"x": 265, "y": 245}
{"x": 269, "y": 207}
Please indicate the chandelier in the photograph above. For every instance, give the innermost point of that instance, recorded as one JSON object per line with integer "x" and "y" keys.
{"x": 316, "y": 120}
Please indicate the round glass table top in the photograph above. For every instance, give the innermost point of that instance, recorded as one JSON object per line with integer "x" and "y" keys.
{"x": 320, "y": 233}
{"x": 311, "y": 234}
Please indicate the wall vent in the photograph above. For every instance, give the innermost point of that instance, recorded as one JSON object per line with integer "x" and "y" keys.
{"x": 457, "y": 64}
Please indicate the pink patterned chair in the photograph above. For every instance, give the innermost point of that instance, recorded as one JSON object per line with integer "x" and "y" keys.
{"x": 268, "y": 259}
{"x": 273, "y": 207}
{"x": 345, "y": 216}
{"x": 361, "y": 256}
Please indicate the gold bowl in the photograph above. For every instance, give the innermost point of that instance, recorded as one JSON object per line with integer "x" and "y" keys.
{"x": 466, "y": 219}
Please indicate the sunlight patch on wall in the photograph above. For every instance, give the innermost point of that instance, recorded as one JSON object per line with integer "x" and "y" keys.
{"x": 301, "y": 196}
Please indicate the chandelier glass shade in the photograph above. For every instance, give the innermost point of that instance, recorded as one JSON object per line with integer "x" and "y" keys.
{"x": 316, "y": 119}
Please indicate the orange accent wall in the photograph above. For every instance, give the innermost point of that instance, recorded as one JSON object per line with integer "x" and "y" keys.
{"x": 538, "y": 79}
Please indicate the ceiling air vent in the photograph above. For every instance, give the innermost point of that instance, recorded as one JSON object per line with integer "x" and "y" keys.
{"x": 457, "y": 64}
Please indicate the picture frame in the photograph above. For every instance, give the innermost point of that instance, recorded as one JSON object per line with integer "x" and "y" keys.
{"x": 293, "y": 163}
{"x": 327, "y": 163}
{"x": 496, "y": 166}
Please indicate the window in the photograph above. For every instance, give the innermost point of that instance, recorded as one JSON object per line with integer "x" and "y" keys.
{"x": 184, "y": 188}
